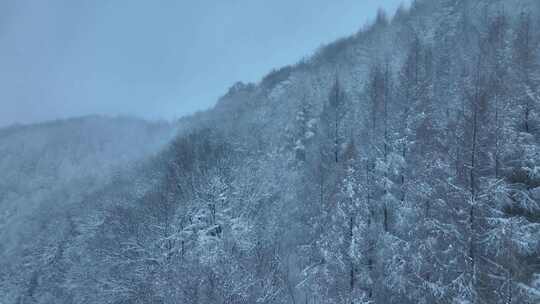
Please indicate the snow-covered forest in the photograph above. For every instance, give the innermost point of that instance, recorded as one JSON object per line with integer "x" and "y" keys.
{"x": 398, "y": 165}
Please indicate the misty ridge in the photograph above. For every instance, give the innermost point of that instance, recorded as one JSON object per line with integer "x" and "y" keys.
{"x": 398, "y": 165}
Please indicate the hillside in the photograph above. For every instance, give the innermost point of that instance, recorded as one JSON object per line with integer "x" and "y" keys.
{"x": 49, "y": 168}
{"x": 398, "y": 165}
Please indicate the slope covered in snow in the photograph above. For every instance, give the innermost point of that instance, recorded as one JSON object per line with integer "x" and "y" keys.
{"x": 399, "y": 165}
{"x": 50, "y": 167}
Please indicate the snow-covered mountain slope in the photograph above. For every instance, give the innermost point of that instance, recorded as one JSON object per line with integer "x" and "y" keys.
{"x": 399, "y": 165}
{"x": 47, "y": 167}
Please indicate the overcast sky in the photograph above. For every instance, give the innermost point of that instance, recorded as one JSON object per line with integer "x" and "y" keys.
{"x": 154, "y": 59}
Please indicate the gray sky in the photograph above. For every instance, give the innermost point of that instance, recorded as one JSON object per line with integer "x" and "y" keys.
{"x": 154, "y": 59}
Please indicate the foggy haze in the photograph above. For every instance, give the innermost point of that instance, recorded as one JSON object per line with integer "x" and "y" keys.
{"x": 154, "y": 59}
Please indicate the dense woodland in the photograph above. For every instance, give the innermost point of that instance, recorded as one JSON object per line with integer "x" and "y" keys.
{"x": 398, "y": 165}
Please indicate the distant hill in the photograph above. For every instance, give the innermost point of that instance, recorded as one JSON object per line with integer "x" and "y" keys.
{"x": 48, "y": 166}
